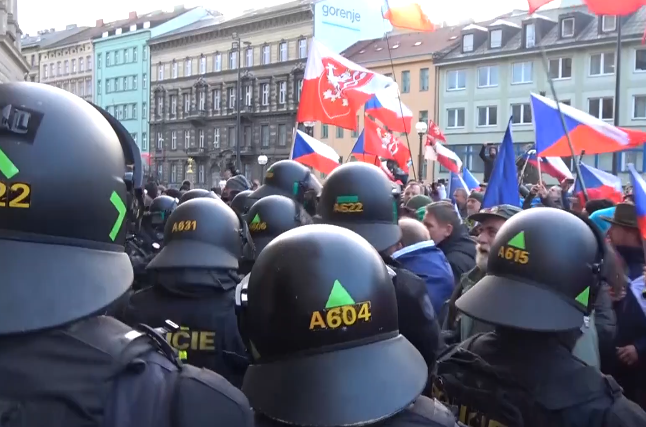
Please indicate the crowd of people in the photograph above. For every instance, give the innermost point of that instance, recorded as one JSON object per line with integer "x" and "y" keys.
{"x": 349, "y": 303}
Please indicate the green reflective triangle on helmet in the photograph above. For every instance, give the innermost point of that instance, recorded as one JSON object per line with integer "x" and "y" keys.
{"x": 256, "y": 219}
{"x": 518, "y": 241}
{"x": 584, "y": 296}
{"x": 338, "y": 296}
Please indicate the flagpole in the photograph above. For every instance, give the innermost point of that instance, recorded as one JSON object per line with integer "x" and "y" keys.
{"x": 545, "y": 62}
{"x": 615, "y": 155}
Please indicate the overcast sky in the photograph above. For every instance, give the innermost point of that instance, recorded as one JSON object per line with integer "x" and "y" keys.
{"x": 35, "y": 15}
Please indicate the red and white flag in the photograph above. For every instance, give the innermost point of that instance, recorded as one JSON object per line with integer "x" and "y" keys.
{"x": 439, "y": 153}
{"x": 435, "y": 132}
{"x": 334, "y": 88}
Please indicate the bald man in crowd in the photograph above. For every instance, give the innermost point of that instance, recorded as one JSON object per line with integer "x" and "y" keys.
{"x": 413, "y": 232}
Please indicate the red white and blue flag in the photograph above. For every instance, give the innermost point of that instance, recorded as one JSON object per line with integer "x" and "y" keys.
{"x": 553, "y": 166}
{"x": 386, "y": 106}
{"x": 313, "y": 153}
{"x": 599, "y": 184}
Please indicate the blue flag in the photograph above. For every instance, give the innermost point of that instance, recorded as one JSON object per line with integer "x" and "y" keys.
{"x": 502, "y": 187}
{"x": 456, "y": 182}
{"x": 469, "y": 179}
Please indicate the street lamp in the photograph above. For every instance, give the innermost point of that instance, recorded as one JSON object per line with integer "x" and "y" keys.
{"x": 309, "y": 128}
{"x": 421, "y": 128}
{"x": 262, "y": 161}
{"x": 237, "y": 45}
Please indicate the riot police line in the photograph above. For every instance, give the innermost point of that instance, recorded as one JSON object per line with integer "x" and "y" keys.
{"x": 325, "y": 330}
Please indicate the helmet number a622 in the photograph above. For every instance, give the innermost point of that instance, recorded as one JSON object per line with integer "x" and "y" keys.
{"x": 15, "y": 195}
{"x": 515, "y": 255}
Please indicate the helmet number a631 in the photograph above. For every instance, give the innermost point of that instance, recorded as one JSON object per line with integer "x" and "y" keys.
{"x": 515, "y": 255}
{"x": 187, "y": 225}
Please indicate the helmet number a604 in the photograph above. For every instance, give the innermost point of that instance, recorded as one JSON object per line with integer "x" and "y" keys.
{"x": 188, "y": 225}
{"x": 343, "y": 316}
{"x": 15, "y": 195}
{"x": 515, "y": 255}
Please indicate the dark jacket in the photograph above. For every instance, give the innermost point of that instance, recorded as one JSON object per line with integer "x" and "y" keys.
{"x": 488, "y": 162}
{"x": 460, "y": 251}
{"x": 428, "y": 262}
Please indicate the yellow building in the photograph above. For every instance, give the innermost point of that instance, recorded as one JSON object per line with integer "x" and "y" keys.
{"x": 410, "y": 62}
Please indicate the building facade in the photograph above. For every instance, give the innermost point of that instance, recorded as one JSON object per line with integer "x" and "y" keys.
{"x": 488, "y": 75}
{"x": 121, "y": 79}
{"x": 32, "y": 46}
{"x": 193, "y": 94}
{"x": 413, "y": 69}
{"x": 13, "y": 67}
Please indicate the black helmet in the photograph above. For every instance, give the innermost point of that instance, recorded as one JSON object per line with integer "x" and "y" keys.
{"x": 160, "y": 209}
{"x": 319, "y": 312}
{"x": 543, "y": 273}
{"x": 196, "y": 193}
{"x": 290, "y": 179}
{"x": 358, "y": 196}
{"x": 240, "y": 204}
{"x": 62, "y": 250}
{"x": 201, "y": 233}
{"x": 271, "y": 216}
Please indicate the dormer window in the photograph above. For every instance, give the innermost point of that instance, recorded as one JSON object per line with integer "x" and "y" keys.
{"x": 467, "y": 43}
{"x": 530, "y": 35}
{"x": 495, "y": 39}
{"x": 567, "y": 27}
{"x": 608, "y": 23}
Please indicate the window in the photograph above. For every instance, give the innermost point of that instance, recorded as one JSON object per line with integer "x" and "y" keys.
{"x": 560, "y": 68}
{"x": 188, "y": 68}
{"x": 67, "y": 66}
{"x": 88, "y": 87}
{"x": 160, "y": 105}
{"x": 144, "y": 110}
{"x": 217, "y": 62}
{"x": 602, "y": 108}
{"x": 283, "y": 51}
{"x": 51, "y": 69}
{"x": 201, "y": 100}
{"x": 58, "y": 68}
{"x": 233, "y": 60}
{"x": 232, "y": 136}
{"x": 175, "y": 68}
{"x": 246, "y": 136}
{"x": 264, "y": 136}
{"x": 639, "y": 107}
{"x": 488, "y": 76}
{"x": 302, "y": 48}
{"x": 120, "y": 112}
{"x": 495, "y": 39}
{"x": 247, "y": 95}
{"x": 173, "y": 140}
{"x": 266, "y": 55}
{"x": 201, "y": 138}
{"x": 567, "y": 27}
{"x": 216, "y": 138}
{"x": 636, "y": 157}
{"x": 126, "y": 56}
{"x": 88, "y": 62}
{"x": 530, "y": 35}
{"x": 324, "y": 131}
{"x": 608, "y": 23}
{"x": 46, "y": 71}
{"x": 134, "y": 82}
{"x": 282, "y": 135}
{"x": 602, "y": 64}
{"x": 134, "y": 54}
{"x": 128, "y": 112}
{"x": 108, "y": 59}
{"x": 187, "y": 139}
{"x": 521, "y": 72}
{"x": 173, "y": 173}
{"x": 173, "y": 105}
{"x": 73, "y": 65}
{"x": 144, "y": 141}
{"x": 134, "y": 111}
{"x": 456, "y": 80}
{"x": 265, "y": 94}
{"x": 231, "y": 95}
{"x": 202, "y": 65}
{"x": 339, "y": 132}
{"x": 282, "y": 92}
{"x": 144, "y": 81}
{"x": 200, "y": 174}
{"x": 405, "y": 81}
{"x": 160, "y": 171}
{"x": 144, "y": 52}
{"x": 187, "y": 102}
{"x": 487, "y": 116}
{"x": 216, "y": 100}
{"x": 455, "y": 118}
{"x": 249, "y": 60}
{"x": 81, "y": 65}
{"x": 423, "y": 79}
{"x": 640, "y": 60}
{"x": 160, "y": 72}
{"x": 467, "y": 43}
{"x": 521, "y": 114}
{"x": 299, "y": 89}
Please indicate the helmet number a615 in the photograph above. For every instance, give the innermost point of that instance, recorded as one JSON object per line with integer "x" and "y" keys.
{"x": 515, "y": 255}
{"x": 15, "y": 195}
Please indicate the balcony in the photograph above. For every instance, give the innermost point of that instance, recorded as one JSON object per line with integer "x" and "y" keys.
{"x": 197, "y": 152}
{"x": 197, "y": 116}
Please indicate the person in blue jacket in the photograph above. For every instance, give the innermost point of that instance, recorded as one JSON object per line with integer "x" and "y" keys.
{"x": 420, "y": 255}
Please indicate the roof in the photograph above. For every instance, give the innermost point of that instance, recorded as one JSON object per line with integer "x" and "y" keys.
{"x": 200, "y": 27}
{"x": 404, "y": 45}
{"x": 46, "y": 39}
{"x": 632, "y": 28}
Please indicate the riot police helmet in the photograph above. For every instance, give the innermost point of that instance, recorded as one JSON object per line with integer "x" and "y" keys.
{"x": 358, "y": 196}
{"x": 320, "y": 315}
{"x": 196, "y": 193}
{"x": 160, "y": 209}
{"x": 63, "y": 254}
{"x": 290, "y": 179}
{"x": 240, "y": 203}
{"x": 202, "y": 233}
{"x": 544, "y": 271}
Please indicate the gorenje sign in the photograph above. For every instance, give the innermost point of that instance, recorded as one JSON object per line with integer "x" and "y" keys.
{"x": 350, "y": 15}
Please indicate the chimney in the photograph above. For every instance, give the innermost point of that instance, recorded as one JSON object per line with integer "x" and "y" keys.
{"x": 99, "y": 22}
{"x": 52, "y": 30}
{"x": 132, "y": 15}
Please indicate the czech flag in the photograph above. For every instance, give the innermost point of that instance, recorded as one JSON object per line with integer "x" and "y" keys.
{"x": 599, "y": 7}
{"x": 439, "y": 153}
{"x": 600, "y": 185}
{"x": 587, "y": 133}
{"x": 313, "y": 153}
{"x": 553, "y": 166}
{"x": 639, "y": 195}
{"x": 386, "y": 106}
{"x": 407, "y": 14}
{"x": 359, "y": 154}
{"x": 471, "y": 182}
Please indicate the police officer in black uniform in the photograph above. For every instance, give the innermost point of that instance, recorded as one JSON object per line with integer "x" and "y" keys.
{"x": 320, "y": 314}
{"x": 358, "y": 196}
{"x": 233, "y": 186}
{"x": 239, "y": 202}
{"x": 267, "y": 219}
{"x": 290, "y": 179}
{"x": 545, "y": 269}
{"x": 194, "y": 279}
{"x": 63, "y": 261}
{"x": 197, "y": 193}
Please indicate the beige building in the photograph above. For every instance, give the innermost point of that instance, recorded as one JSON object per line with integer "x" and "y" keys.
{"x": 194, "y": 75}
{"x": 13, "y": 66}
{"x": 412, "y": 67}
